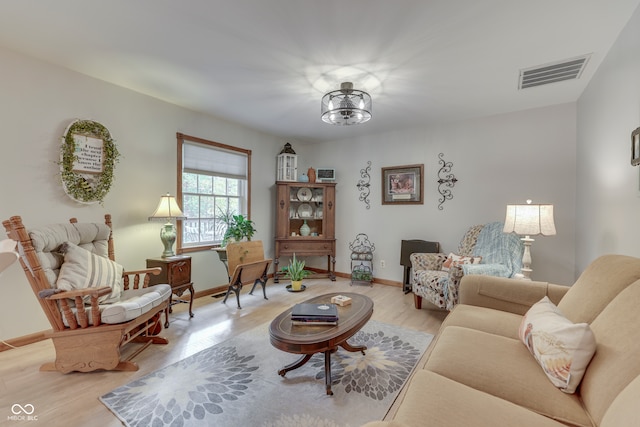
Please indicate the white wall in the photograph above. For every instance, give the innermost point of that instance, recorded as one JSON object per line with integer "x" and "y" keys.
{"x": 608, "y": 199}
{"x": 497, "y": 160}
{"x": 38, "y": 102}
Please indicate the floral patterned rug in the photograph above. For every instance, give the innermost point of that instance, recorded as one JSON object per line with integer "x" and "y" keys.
{"x": 236, "y": 383}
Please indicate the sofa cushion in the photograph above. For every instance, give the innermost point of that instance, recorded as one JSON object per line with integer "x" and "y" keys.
{"x": 600, "y": 283}
{"x": 623, "y": 411}
{"x": 83, "y": 269}
{"x": 562, "y": 348}
{"x": 433, "y": 400}
{"x": 504, "y": 294}
{"x": 454, "y": 260}
{"x": 392, "y": 423}
{"x": 617, "y": 361}
{"x": 504, "y": 368}
{"x": 484, "y": 319}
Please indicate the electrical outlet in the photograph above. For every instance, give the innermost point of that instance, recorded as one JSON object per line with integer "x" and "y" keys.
{"x": 383, "y": 263}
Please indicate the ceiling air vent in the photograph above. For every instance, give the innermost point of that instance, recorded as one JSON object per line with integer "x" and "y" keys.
{"x": 551, "y": 73}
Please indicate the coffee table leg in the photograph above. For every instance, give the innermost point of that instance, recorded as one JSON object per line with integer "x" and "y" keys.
{"x": 354, "y": 349}
{"x": 295, "y": 365}
{"x": 327, "y": 372}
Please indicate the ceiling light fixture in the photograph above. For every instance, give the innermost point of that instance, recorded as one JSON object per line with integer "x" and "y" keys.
{"x": 346, "y": 106}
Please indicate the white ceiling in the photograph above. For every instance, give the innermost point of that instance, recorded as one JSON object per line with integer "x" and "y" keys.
{"x": 267, "y": 63}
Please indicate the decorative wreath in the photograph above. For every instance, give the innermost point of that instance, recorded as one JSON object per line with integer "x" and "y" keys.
{"x": 87, "y": 187}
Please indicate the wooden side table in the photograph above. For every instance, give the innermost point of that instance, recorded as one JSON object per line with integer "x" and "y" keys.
{"x": 176, "y": 271}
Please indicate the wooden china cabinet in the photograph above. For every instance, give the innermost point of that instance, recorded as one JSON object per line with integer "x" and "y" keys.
{"x": 305, "y": 222}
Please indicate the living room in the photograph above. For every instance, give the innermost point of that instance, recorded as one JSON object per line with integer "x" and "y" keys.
{"x": 574, "y": 155}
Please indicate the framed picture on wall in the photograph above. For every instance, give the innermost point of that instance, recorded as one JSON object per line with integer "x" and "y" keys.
{"x": 635, "y": 147}
{"x": 403, "y": 185}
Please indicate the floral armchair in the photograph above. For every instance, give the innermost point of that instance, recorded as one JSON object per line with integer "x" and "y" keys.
{"x": 484, "y": 249}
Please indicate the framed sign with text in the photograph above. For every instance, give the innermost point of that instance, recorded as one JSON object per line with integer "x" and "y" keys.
{"x": 87, "y": 161}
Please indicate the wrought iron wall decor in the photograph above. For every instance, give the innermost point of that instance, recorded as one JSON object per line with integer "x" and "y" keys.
{"x": 364, "y": 185}
{"x": 446, "y": 180}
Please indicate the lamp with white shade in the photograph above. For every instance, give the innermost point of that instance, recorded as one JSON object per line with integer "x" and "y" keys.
{"x": 168, "y": 210}
{"x": 529, "y": 220}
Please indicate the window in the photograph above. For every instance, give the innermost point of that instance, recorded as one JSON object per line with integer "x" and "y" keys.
{"x": 213, "y": 180}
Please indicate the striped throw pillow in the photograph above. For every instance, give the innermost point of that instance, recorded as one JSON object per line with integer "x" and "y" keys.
{"x": 84, "y": 269}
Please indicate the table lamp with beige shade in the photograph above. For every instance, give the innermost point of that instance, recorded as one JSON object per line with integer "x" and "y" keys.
{"x": 168, "y": 210}
{"x": 529, "y": 220}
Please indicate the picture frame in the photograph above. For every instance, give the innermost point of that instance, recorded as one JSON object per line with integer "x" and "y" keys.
{"x": 635, "y": 147}
{"x": 403, "y": 185}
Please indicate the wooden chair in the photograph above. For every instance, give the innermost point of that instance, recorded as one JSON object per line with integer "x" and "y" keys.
{"x": 84, "y": 338}
{"x": 247, "y": 264}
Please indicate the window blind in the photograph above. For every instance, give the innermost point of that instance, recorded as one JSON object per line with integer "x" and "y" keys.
{"x": 207, "y": 160}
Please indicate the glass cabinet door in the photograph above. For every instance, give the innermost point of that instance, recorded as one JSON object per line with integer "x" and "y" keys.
{"x": 306, "y": 211}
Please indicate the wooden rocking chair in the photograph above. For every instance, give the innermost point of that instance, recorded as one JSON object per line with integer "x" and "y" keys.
{"x": 246, "y": 264}
{"x": 89, "y": 332}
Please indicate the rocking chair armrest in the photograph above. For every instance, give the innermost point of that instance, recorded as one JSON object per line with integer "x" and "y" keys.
{"x": 61, "y": 294}
{"x": 79, "y": 318}
{"x": 137, "y": 274}
{"x": 153, "y": 270}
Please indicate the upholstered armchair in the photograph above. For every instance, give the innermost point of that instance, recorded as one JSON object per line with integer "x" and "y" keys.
{"x": 484, "y": 249}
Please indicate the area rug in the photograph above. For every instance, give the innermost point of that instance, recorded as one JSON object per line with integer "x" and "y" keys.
{"x": 236, "y": 383}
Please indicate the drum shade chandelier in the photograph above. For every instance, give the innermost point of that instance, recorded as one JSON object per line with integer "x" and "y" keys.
{"x": 346, "y": 106}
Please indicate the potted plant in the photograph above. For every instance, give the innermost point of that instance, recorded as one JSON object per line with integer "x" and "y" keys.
{"x": 237, "y": 228}
{"x": 295, "y": 272}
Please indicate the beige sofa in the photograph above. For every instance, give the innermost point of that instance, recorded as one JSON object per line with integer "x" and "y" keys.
{"x": 478, "y": 372}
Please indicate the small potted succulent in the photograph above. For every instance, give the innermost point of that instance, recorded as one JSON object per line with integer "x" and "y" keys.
{"x": 295, "y": 272}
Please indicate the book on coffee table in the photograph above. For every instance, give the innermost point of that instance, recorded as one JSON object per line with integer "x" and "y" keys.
{"x": 306, "y": 313}
{"x": 313, "y": 322}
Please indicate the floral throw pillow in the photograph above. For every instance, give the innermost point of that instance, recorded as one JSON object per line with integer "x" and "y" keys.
{"x": 562, "y": 348}
{"x": 454, "y": 260}
{"x": 84, "y": 269}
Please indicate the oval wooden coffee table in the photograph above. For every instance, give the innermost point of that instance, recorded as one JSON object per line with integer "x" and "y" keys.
{"x": 309, "y": 340}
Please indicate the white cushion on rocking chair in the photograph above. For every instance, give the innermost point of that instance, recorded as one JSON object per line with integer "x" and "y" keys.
{"x": 132, "y": 304}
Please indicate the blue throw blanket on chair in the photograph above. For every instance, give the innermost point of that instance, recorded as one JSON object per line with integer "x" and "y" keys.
{"x": 501, "y": 252}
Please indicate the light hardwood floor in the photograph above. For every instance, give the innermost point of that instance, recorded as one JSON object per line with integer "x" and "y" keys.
{"x": 72, "y": 399}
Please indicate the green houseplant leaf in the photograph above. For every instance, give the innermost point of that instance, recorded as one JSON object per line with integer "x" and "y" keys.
{"x": 295, "y": 270}
{"x": 237, "y": 227}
